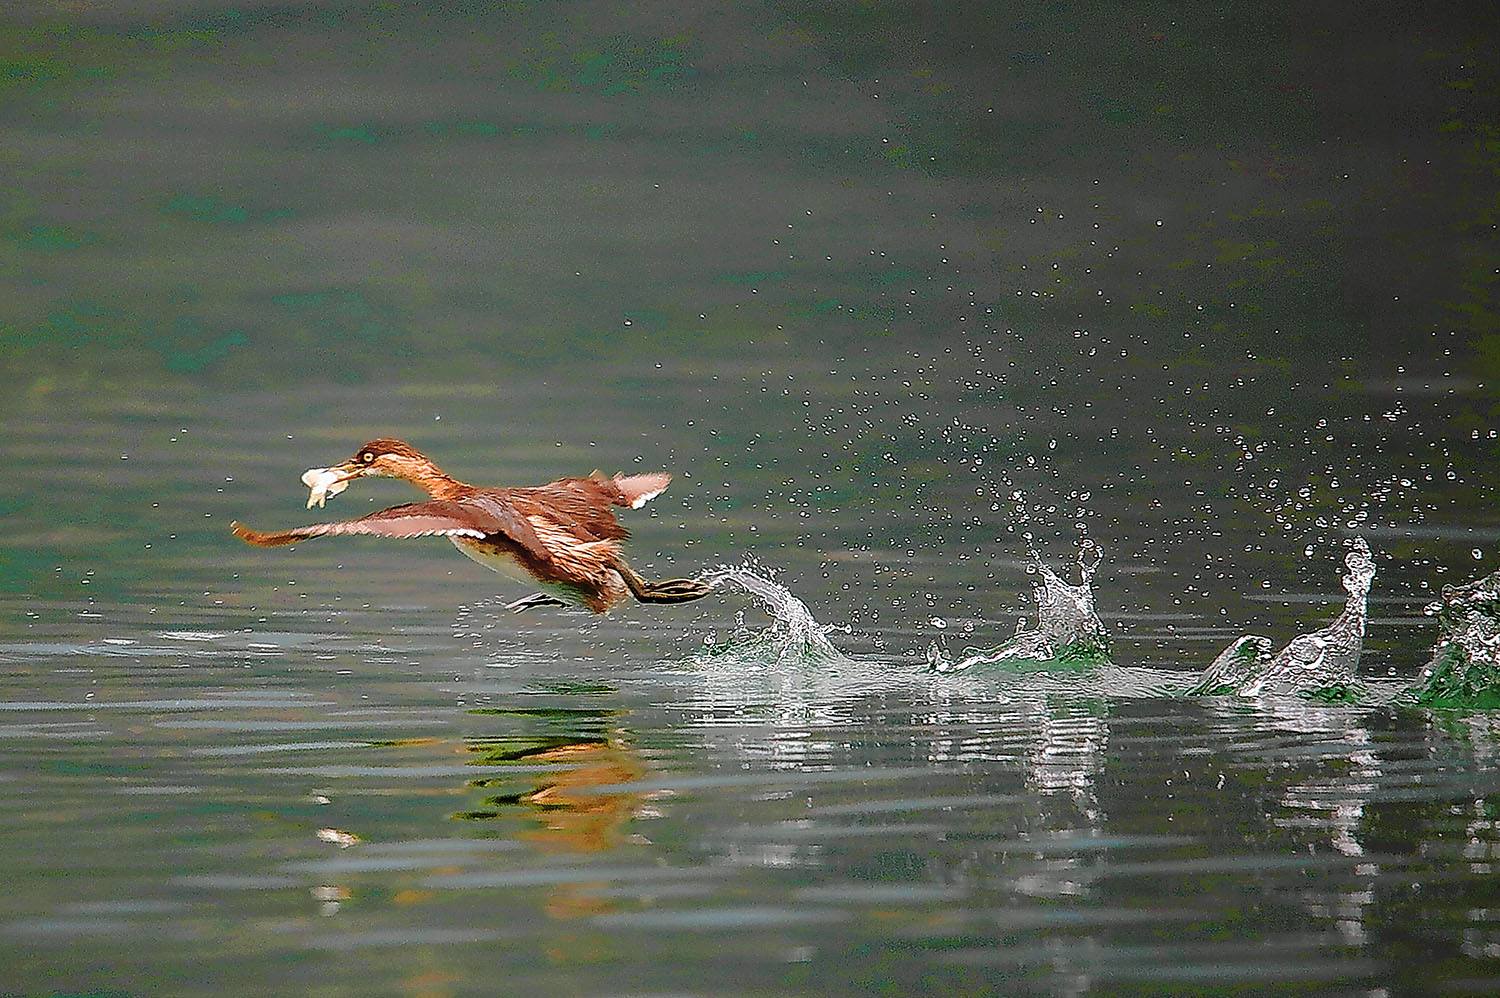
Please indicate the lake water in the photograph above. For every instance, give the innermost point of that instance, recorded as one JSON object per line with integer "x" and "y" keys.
{"x": 888, "y": 294}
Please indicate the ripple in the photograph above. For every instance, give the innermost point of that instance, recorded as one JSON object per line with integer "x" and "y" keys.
{"x": 914, "y": 804}
{"x": 144, "y": 705}
{"x": 719, "y": 919}
{"x": 882, "y": 894}
{"x": 574, "y": 875}
{"x": 411, "y": 772}
{"x": 403, "y": 937}
{"x": 234, "y": 750}
{"x": 766, "y": 778}
{"x": 67, "y": 928}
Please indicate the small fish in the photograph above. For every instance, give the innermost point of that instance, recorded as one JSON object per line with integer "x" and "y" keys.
{"x": 323, "y": 483}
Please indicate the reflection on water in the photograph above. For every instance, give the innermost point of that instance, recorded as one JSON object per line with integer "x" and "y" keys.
{"x": 575, "y": 815}
{"x": 1042, "y": 823}
{"x": 571, "y": 801}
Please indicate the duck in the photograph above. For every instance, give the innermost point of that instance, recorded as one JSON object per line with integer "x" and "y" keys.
{"x": 563, "y": 536}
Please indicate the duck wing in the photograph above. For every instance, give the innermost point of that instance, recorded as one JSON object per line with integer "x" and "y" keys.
{"x": 582, "y": 506}
{"x": 479, "y": 517}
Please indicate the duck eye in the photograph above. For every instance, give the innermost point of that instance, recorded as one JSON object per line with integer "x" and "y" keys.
{"x": 367, "y": 457}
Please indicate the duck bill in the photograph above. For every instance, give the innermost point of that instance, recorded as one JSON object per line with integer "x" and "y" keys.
{"x": 347, "y": 472}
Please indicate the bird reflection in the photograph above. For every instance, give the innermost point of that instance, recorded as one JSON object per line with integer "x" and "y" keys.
{"x": 574, "y": 816}
{"x": 571, "y": 810}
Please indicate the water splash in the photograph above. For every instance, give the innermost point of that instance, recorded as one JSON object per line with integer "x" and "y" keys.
{"x": 1236, "y": 667}
{"x": 794, "y": 636}
{"x": 1068, "y": 632}
{"x": 1320, "y": 664}
{"x": 1465, "y": 666}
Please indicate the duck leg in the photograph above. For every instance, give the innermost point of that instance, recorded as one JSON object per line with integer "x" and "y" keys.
{"x": 534, "y": 600}
{"x": 666, "y": 591}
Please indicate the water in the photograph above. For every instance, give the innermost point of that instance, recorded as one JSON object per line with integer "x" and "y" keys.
{"x": 793, "y": 636}
{"x": 1210, "y": 288}
{"x": 1465, "y": 666}
{"x": 1319, "y": 663}
{"x": 1068, "y": 631}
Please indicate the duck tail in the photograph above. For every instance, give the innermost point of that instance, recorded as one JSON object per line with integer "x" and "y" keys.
{"x": 634, "y": 491}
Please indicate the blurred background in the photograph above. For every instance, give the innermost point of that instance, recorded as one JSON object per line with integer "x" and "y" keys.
{"x": 1216, "y": 283}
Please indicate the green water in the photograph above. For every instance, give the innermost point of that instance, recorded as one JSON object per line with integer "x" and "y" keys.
{"x": 1213, "y": 288}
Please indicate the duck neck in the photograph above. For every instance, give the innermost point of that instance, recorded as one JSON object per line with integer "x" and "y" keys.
{"x": 444, "y": 487}
{"x": 436, "y": 482}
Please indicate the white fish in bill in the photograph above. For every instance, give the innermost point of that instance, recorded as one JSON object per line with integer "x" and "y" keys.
{"x": 323, "y": 483}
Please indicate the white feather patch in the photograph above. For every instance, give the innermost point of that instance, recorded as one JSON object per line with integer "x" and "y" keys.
{"x": 494, "y": 559}
{"x": 644, "y": 498}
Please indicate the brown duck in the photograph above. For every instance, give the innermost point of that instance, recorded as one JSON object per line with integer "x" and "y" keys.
{"x": 563, "y": 535}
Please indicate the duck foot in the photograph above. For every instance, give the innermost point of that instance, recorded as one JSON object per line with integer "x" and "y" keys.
{"x": 673, "y": 591}
{"x": 534, "y": 600}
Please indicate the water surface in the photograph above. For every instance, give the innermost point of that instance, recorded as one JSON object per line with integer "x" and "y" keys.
{"x": 887, "y": 293}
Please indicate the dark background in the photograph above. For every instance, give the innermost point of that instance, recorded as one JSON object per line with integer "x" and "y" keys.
{"x": 234, "y": 192}
{"x": 1213, "y": 283}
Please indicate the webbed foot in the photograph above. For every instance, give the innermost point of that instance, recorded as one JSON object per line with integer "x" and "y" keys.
{"x": 534, "y": 600}
{"x": 674, "y": 591}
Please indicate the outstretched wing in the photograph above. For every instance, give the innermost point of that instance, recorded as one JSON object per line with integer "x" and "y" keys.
{"x": 438, "y": 518}
{"x": 582, "y": 505}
